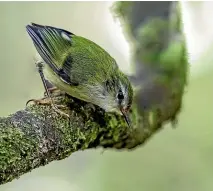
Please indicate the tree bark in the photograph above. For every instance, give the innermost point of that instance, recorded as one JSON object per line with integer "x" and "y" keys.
{"x": 37, "y": 135}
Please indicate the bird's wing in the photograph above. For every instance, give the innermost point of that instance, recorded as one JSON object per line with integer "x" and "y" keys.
{"x": 53, "y": 45}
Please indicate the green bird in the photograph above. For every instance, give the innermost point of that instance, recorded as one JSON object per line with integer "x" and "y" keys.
{"x": 81, "y": 68}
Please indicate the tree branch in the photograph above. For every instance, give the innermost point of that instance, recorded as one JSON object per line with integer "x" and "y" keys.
{"x": 37, "y": 135}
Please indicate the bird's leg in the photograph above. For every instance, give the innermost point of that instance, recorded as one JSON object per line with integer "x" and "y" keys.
{"x": 48, "y": 100}
{"x": 51, "y": 91}
{"x": 55, "y": 91}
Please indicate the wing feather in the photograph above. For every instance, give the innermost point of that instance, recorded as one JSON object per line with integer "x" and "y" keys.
{"x": 53, "y": 45}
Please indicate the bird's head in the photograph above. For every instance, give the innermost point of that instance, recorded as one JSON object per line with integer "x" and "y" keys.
{"x": 117, "y": 95}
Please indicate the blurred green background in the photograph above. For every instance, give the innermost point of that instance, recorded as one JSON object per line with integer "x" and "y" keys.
{"x": 173, "y": 160}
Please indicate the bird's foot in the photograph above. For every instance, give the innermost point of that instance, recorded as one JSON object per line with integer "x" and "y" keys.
{"x": 48, "y": 101}
{"x": 57, "y": 110}
{"x": 42, "y": 101}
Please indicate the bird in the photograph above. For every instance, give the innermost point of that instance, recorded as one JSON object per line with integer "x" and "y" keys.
{"x": 81, "y": 68}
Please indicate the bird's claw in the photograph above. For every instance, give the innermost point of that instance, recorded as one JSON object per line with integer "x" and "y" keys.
{"x": 57, "y": 110}
{"x": 41, "y": 101}
{"x": 46, "y": 101}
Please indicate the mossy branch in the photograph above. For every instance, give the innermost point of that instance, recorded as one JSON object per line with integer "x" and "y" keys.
{"x": 36, "y": 135}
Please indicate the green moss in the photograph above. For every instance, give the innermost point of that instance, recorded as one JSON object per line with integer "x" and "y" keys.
{"x": 16, "y": 150}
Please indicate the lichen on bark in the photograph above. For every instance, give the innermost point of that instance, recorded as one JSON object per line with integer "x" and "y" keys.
{"x": 37, "y": 135}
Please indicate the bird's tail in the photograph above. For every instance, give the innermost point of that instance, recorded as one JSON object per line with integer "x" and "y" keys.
{"x": 51, "y": 43}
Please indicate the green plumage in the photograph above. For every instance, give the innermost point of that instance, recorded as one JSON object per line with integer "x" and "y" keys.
{"x": 89, "y": 59}
{"x": 81, "y": 68}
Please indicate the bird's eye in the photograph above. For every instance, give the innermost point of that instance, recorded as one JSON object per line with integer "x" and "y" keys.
{"x": 120, "y": 96}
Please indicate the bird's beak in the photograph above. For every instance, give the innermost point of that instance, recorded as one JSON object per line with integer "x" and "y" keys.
{"x": 126, "y": 117}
